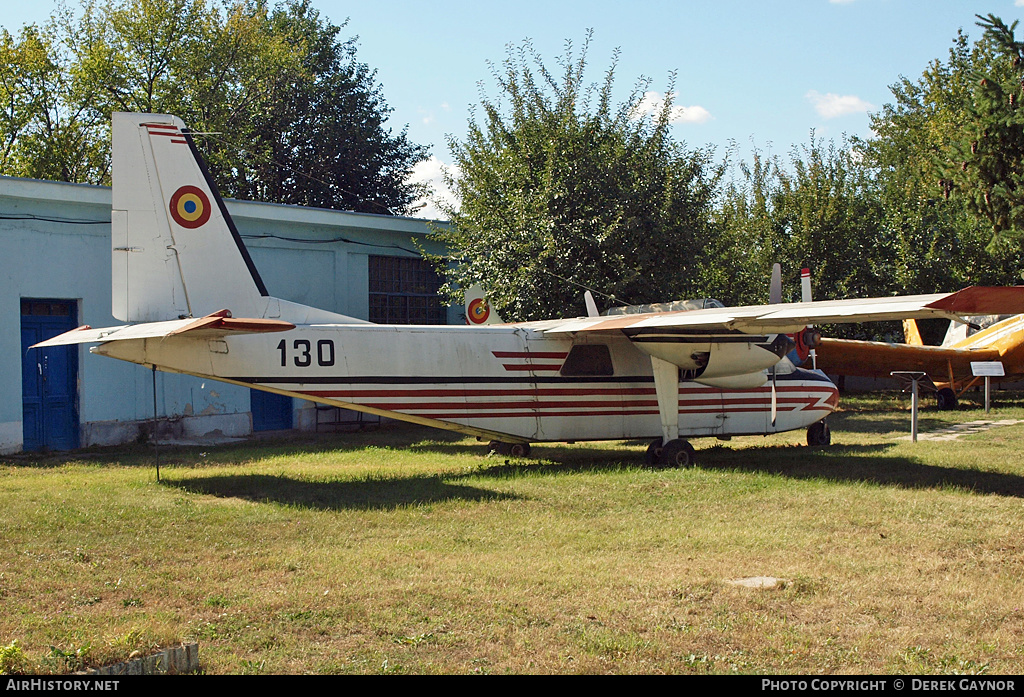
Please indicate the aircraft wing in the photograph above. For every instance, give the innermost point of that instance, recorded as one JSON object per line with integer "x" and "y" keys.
{"x": 877, "y": 358}
{"x": 218, "y": 324}
{"x": 792, "y": 317}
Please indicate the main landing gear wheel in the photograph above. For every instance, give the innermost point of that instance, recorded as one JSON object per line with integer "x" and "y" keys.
{"x": 945, "y": 399}
{"x": 675, "y": 453}
{"x": 819, "y": 435}
{"x": 653, "y": 455}
{"x": 511, "y": 449}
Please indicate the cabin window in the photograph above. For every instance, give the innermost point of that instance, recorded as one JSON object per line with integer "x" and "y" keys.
{"x": 588, "y": 360}
{"x": 403, "y": 290}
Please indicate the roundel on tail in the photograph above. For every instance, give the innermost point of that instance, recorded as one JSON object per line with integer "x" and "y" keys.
{"x": 190, "y": 207}
{"x": 478, "y": 311}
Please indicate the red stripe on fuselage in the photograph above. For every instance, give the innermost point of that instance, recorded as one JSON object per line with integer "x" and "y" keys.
{"x": 529, "y": 354}
{"x": 529, "y": 366}
{"x": 712, "y": 400}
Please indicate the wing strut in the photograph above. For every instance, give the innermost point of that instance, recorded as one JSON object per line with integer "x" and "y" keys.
{"x": 666, "y": 384}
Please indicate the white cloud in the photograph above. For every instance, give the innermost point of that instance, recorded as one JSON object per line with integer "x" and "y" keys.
{"x": 431, "y": 172}
{"x": 830, "y": 106}
{"x": 653, "y": 102}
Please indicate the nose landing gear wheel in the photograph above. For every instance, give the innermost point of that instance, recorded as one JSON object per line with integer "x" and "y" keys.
{"x": 819, "y": 435}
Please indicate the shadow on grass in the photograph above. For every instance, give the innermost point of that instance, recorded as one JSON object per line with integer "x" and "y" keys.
{"x": 864, "y": 463}
{"x": 861, "y": 463}
{"x": 368, "y": 494}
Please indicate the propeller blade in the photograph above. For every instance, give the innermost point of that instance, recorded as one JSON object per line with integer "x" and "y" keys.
{"x": 775, "y": 289}
{"x": 805, "y": 288}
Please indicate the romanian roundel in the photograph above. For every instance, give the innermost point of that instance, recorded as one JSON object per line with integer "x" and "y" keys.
{"x": 479, "y": 311}
{"x": 190, "y": 207}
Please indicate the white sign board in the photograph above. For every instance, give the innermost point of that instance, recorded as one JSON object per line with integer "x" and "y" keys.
{"x": 987, "y": 369}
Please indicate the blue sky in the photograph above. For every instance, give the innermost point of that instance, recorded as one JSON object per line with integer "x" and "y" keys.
{"x": 759, "y": 73}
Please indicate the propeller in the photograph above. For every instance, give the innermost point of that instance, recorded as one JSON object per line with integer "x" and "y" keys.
{"x": 775, "y": 298}
{"x": 805, "y": 288}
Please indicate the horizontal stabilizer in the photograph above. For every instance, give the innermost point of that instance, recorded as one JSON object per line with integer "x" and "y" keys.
{"x": 220, "y": 323}
{"x": 216, "y": 325}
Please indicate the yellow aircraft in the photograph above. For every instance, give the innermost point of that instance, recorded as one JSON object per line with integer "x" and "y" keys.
{"x": 948, "y": 366}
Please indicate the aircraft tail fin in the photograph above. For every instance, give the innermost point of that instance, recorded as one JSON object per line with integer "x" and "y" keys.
{"x": 911, "y": 333}
{"x": 175, "y": 251}
{"x": 478, "y": 308}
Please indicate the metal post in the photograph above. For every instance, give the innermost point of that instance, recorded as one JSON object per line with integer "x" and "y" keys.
{"x": 913, "y": 411}
{"x": 156, "y": 450}
{"x": 914, "y": 376}
{"x": 988, "y": 392}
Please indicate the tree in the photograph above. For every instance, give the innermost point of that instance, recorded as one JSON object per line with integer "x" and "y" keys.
{"x": 328, "y": 123}
{"x": 987, "y": 164}
{"x": 818, "y": 209}
{"x": 287, "y": 111}
{"x": 48, "y": 131}
{"x": 937, "y": 238}
{"x": 561, "y": 191}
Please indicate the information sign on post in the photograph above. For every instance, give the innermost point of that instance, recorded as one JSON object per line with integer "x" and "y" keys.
{"x": 987, "y": 370}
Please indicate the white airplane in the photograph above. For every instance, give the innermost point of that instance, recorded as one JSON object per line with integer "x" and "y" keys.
{"x": 663, "y": 372}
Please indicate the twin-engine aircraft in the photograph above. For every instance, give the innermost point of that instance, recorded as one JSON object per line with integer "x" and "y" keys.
{"x": 196, "y": 304}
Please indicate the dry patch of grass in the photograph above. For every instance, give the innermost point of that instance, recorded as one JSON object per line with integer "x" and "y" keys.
{"x": 408, "y": 551}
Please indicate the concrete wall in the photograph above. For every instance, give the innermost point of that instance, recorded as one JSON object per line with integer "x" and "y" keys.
{"x": 55, "y": 243}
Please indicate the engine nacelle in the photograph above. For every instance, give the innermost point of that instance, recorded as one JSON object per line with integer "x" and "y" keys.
{"x": 717, "y": 356}
{"x": 737, "y": 382}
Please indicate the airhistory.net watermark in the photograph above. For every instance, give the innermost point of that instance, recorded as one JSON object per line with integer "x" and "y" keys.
{"x": 871, "y": 685}
{"x": 60, "y": 685}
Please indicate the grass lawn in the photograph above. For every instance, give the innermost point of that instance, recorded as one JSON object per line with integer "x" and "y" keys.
{"x": 407, "y": 550}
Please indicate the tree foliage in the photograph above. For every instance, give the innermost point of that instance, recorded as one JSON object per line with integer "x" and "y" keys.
{"x": 563, "y": 190}
{"x": 290, "y": 114}
{"x": 986, "y": 163}
{"x": 939, "y": 238}
{"x": 817, "y": 209}
{"x": 49, "y": 130}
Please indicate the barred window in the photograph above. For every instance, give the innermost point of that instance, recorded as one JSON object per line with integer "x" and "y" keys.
{"x": 47, "y": 308}
{"x": 403, "y": 290}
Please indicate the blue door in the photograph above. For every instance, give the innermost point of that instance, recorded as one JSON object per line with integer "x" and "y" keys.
{"x": 49, "y": 377}
{"x": 270, "y": 412}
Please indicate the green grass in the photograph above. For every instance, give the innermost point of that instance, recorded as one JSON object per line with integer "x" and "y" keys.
{"x": 406, "y": 550}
